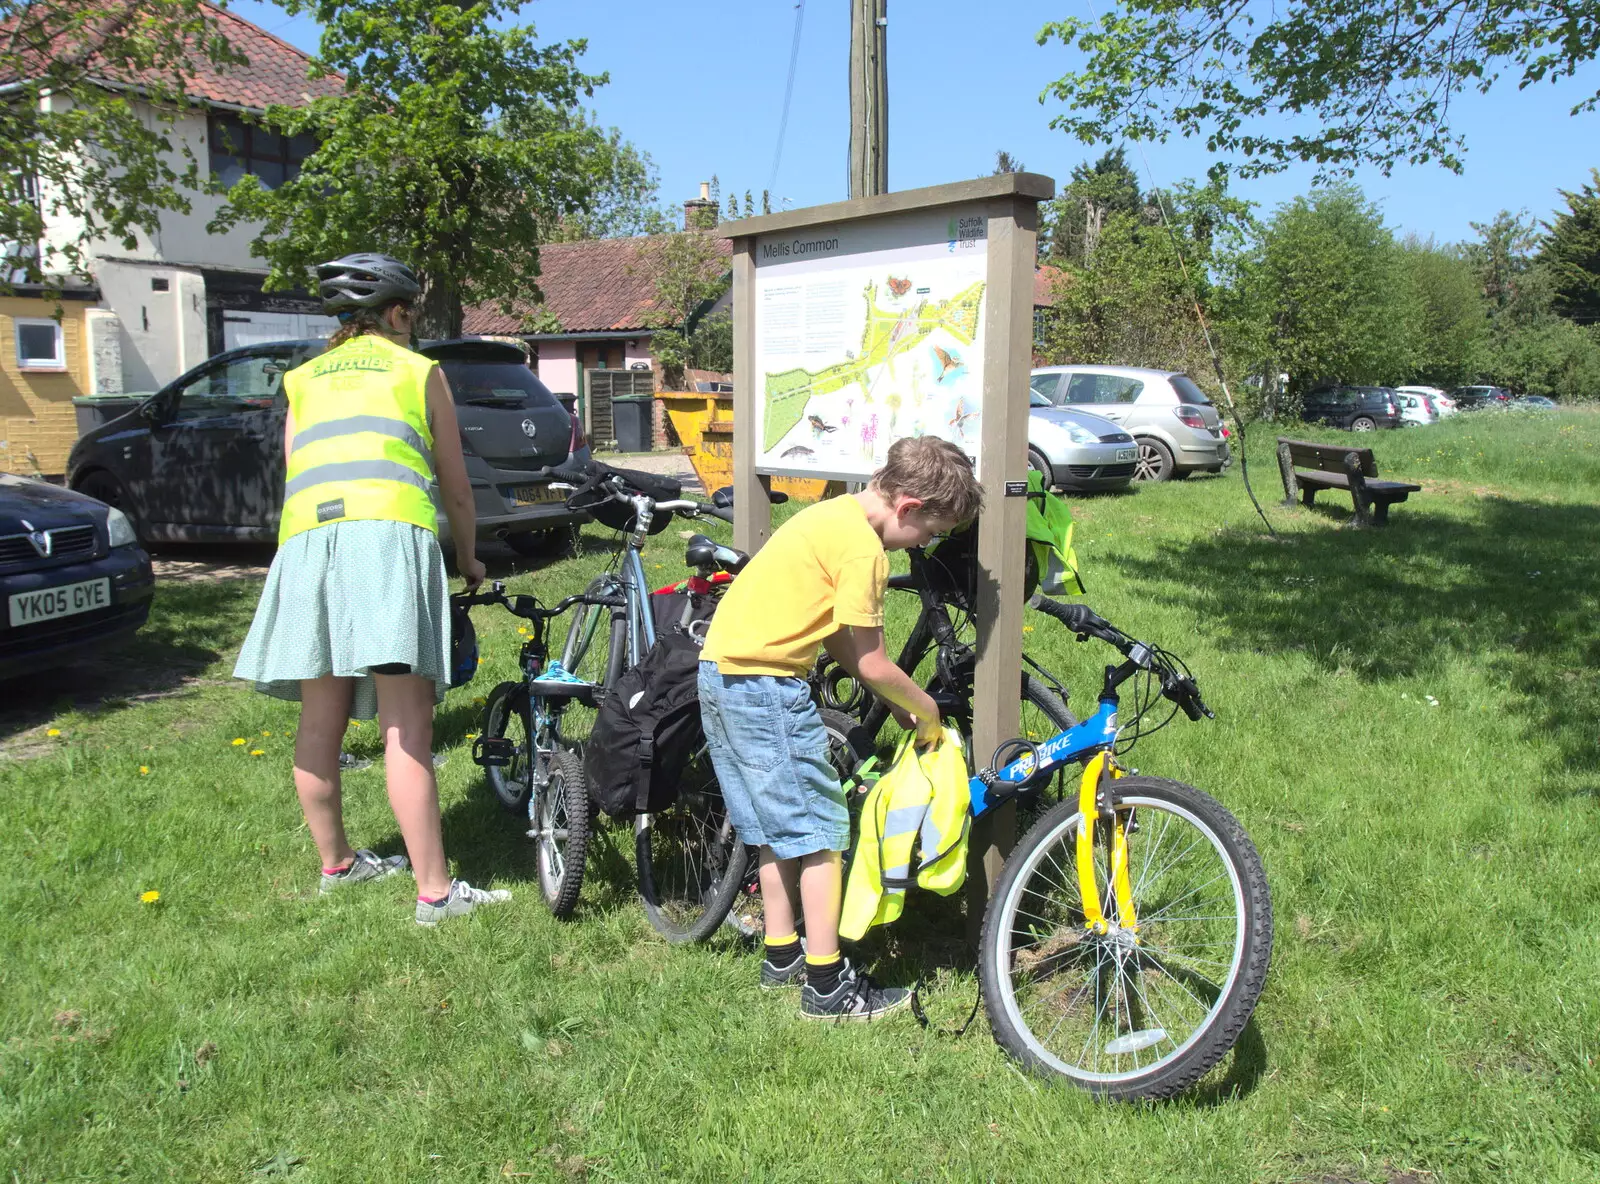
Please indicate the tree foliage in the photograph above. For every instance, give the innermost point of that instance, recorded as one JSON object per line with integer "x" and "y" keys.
{"x": 690, "y": 273}
{"x": 457, "y": 145}
{"x": 1571, "y": 252}
{"x": 1357, "y": 83}
{"x": 86, "y": 131}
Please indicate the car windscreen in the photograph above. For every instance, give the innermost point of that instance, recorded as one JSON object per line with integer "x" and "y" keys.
{"x": 1035, "y": 399}
{"x": 1187, "y": 391}
{"x": 496, "y": 384}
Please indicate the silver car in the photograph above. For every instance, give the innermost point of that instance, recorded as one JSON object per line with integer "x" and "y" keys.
{"x": 1176, "y": 428}
{"x": 1075, "y": 450}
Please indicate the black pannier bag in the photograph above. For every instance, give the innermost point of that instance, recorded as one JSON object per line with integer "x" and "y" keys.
{"x": 609, "y": 512}
{"x": 647, "y": 730}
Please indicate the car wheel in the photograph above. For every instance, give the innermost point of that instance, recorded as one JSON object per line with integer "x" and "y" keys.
{"x": 102, "y": 486}
{"x": 1038, "y": 464}
{"x": 535, "y": 544}
{"x": 1154, "y": 463}
{"x": 1363, "y": 423}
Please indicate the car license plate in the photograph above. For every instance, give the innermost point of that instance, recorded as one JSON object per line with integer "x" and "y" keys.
{"x": 535, "y": 495}
{"x": 1127, "y": 453}
{"x": 28, "y": 607}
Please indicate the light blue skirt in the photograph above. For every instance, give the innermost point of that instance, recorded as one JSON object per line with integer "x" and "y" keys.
{"x": 345, "y": 597}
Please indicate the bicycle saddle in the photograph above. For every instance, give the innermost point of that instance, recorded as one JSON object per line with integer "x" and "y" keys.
{"x": 703, "y": 552}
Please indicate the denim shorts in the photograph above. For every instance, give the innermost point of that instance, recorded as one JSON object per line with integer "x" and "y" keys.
{"x": 770, "y": 751}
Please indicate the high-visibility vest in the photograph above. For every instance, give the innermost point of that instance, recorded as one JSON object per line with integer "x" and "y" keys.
{"x": 362, "y": 447}
{"x": 921, "y": 806}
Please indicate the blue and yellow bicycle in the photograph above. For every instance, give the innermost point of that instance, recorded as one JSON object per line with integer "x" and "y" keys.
{"x": 1128, "y": 938}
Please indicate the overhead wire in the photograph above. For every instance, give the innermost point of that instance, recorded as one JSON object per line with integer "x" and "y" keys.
{"x": 788, "y": 93}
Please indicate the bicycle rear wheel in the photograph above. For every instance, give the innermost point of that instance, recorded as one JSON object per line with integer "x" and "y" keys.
{"x": 1129, "y": 1014}
{"x": 691, "y": 862}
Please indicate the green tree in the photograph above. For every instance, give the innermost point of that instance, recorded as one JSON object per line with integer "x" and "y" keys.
{"x": 1503, "y": 258}
{"x": 625, "y": 201}
{"x": 80, "y": 147}
{"x": 1443, "y": 310}
{"x": 1072, "y": 223}
{"x": 1571, "y": 253}
{"x": 457, "y": 145}
{"x": 1320, "y": 295}
{"x": 1004, "y": 162}
{"x": 1368, "y": 83}
{"x": 690, "y": 273}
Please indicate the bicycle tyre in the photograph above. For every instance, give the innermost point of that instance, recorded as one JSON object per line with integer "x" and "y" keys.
{"x": 595, "y": 649}
{"x": 1205, "y": 825}
{"x": 505, "y": 716}
{"x": 559, "y": 824}
{"x": 690, "y": 860}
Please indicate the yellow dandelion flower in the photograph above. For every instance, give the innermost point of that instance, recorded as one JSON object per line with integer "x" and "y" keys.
{"x": 238, "y": 741}
{"x": 266, "y": 733}
{"x": 150, "y": 897}
{"x": 1027, "y": 628}
{"x": 258, "y": 752}
{"x": 144, "y": 770}
{"x": 53, "y": 732}
{"x": 472, "y": 735}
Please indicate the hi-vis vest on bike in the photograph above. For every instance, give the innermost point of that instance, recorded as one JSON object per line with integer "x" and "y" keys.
{"x": 362, "y": 447}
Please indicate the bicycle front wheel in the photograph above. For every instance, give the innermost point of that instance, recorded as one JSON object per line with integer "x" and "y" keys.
{"x": 559, "y": 824}
{"x": 505, "y": 717}
{"x": 1145, "y": 1010}
{"x": 596, "y": 650}
{"x": 691, "y": 861}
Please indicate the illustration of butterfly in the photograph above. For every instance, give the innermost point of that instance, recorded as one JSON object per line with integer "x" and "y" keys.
{"x": 899, "y": 287}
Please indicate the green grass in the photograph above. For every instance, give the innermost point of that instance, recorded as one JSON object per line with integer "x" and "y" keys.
{"x": 1431, "y": 1010}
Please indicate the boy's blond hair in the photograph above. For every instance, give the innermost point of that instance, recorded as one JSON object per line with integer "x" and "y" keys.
{"x": 936, "y": 473}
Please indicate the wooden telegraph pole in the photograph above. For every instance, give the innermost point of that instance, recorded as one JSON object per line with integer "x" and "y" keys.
{"x": 869, "y": 98}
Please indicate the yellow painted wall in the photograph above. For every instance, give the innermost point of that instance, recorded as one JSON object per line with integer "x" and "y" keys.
{"x": 37, "y": 420}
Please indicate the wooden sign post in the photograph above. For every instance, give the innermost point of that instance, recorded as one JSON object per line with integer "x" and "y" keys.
{"x": 911, "y": 313}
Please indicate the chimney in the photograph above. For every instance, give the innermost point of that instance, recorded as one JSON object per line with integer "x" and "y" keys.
{"x": 700, "y": 212}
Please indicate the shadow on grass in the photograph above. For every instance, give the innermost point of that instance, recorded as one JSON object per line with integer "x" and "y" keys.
{"x": 192, "y": 624}
{"x": 1512, "y": 586}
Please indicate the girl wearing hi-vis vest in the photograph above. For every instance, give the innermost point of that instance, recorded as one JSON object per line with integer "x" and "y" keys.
{"x": 353, "y": 621}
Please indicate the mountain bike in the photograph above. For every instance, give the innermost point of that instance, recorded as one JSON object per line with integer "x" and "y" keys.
{"x": 689, "y": 861}
{"x": 529, "y": 761}
{"x": 1129, "y": 936}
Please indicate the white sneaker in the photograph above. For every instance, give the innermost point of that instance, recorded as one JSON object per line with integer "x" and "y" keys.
{"x": 366, "y": 866}
{"x": 462, "y": 900}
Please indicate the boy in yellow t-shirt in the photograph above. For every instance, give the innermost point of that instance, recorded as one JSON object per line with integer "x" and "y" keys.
{"x": 819, "y": 581}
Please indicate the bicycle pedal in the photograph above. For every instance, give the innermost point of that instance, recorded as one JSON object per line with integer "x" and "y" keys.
{"x": 493, "y": 752}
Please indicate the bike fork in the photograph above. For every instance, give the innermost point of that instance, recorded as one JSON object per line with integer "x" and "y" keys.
{"x": 1094, "y": 799}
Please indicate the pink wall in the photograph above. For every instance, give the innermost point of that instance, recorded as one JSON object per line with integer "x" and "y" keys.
{"x": 558, "y": 366}
{"x": 635, "y": 349}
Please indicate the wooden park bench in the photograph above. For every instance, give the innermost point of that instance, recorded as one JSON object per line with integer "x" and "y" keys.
{"x": 1339, "y": 466}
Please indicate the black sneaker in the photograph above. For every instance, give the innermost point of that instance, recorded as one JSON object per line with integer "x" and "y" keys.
{"x": 856, "y": 997}
{"x": 776, "y": 977}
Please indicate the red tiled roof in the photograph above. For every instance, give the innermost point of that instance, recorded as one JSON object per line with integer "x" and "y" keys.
{"x": 1045, "y": 279}
{"x": 590, "y": 287}
{"x": 275, "y": 74}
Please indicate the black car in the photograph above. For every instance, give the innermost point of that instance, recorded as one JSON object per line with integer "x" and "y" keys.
{"x": 1477, "y": 398}
{"x": 201, "y": 460}
{"x": 1353, "y": 408}
{"x": 72, "y": 576}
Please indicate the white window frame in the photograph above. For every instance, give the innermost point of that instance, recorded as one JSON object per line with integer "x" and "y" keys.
{"x": 59, "y": 362}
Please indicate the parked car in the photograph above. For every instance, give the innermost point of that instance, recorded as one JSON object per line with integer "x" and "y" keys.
{"x": 1534, "y": 403}
{"x": 1442, "y": 403}
{"x": 1353, "y": 408}
{"x": 1175, "y": 428}
{"x": 1415, "y": 410}
{"x": 202, "y": 459}
{"x": 73, "y": 578}
{"x": 1477, "y": 398}
{"x": 1074, "y": 450}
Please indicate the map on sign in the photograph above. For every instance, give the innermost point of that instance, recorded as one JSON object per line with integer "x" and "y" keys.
{"x": 865, "y": 334}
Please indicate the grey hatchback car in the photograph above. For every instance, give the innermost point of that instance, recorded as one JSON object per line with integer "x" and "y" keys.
{"x": 202, "y": 459}
{"x": 1075, "y": 450}
{"x": 1173, "y": 423}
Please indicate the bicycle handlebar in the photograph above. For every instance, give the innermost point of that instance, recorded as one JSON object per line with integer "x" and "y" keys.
{"x": 1177, "y": 684}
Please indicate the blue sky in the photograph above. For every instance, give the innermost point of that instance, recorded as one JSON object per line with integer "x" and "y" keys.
{"x": 699, "y": 85}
